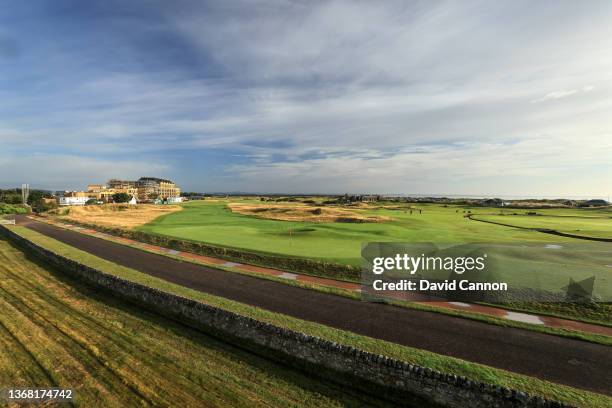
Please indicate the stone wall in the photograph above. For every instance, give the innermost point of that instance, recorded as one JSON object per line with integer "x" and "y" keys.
{"x": 403, "y": 382}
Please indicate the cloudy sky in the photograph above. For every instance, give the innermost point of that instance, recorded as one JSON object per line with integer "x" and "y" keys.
{"x": 430, "y": 97}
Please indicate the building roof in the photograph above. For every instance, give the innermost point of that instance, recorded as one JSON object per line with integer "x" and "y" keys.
{"x": 159, "y": 180}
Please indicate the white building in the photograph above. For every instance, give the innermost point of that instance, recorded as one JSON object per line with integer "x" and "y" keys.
{"x": 72, "y": 200}
{"x": 173, "y": 200}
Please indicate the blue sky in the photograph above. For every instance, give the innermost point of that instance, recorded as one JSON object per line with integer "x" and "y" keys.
{"x": 504, "y": 98}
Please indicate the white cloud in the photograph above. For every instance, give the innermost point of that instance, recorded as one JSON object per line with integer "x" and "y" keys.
{"x": 447, "y": 169}
{"x": 555, "y": 95}
{"x": 343, "y": 95}
{"x": 563, "y": 94}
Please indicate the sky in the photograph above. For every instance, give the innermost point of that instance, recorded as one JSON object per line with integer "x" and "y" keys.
{"x": 415, "y": 97}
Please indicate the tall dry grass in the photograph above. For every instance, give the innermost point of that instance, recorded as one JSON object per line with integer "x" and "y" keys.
{"x": 119, "y": 215}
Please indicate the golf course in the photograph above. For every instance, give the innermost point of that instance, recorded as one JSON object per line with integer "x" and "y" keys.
{"x": 213, "y": 222}
{"x": 507, "y": 232}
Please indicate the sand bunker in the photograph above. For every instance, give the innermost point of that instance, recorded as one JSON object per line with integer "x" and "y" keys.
{"x": 302, "y": 212}
{"x": 119, "y": 215}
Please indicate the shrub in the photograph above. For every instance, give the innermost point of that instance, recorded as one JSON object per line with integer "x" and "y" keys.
{"x": 121, "y": 197}
{"x": 12, "y": 209}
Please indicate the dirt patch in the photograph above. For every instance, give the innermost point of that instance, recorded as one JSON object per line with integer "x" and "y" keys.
{"x": 301, "y": 212}
{"x": 119, "y": 215}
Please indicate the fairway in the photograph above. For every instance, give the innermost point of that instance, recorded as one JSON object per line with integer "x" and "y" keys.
{"x": 55, "y": 332}
{"x": 597, "y": 225}
{"x": 213, "y": 222}
{"x": 538, "y": 268}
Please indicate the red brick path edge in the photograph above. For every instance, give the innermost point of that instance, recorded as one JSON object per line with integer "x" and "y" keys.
{"x": 530, "y": 318}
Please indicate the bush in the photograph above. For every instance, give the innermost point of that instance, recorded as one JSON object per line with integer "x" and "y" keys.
{"x": 41, "y": 206}
{"x": 121, "y": 197}
{"x": 12, "y": 209}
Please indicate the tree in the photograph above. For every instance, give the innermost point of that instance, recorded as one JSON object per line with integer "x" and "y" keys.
{"x": 91, "y": 201}
{"x": 35, "y": 196}
{"x": 11, "y": 196}
{"x": 40, "y": 205}
{"x": 121, "y": 197}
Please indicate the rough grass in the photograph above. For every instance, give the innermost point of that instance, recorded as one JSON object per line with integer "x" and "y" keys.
{"x": 304, "y": 213}
{"x": 119, "y": 215}
{"x": 55, "y": 332}
{"x": 446, "y": 364}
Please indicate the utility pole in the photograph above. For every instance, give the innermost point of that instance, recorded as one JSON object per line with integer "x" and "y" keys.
{"x": 25, "y": 193}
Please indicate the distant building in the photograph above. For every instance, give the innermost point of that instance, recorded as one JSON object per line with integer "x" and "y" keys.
{"x": 105, "y": 192}
{"x": 48, "y": 200}
{"x": 492, "y": 202}
{"x": 145, "y": 189}
{"x": 150, "y": 188}
{"x": 370, "y": 198}
{"x": 72, "y": 198}
{"x": 594, "y": 203}
{"x": 95, "y": 187}
{"x": 120, "y": 184}
{"x": 174, "y": 200}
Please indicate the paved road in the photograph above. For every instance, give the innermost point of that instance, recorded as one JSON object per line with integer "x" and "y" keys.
{"x": 561, "y": 360}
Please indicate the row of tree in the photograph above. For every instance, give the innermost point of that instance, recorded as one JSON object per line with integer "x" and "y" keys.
{"x": 36, "y": 199}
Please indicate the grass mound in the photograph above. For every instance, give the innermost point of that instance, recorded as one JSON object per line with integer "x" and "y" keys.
{"x": 303, "y": 212}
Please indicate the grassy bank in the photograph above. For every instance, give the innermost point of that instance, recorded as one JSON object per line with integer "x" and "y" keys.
{"x": 415, "y": 356}
{"x": 56, "y": 332}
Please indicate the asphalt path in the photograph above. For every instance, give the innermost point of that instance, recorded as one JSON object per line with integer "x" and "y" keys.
{"x": 558, "y": 359}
